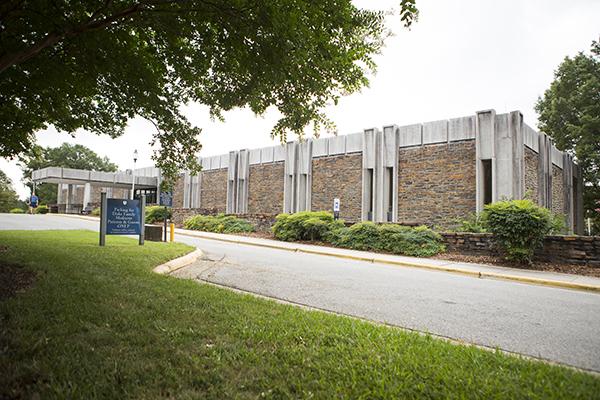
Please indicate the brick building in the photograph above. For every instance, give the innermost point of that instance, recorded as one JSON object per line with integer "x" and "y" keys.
{"x": 430, "y": 173}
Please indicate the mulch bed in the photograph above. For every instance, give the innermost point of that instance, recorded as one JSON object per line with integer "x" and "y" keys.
{"x": 536, "y": 266}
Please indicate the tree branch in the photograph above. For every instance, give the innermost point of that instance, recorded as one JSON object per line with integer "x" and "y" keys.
{"x": 8, "y": 60}
{"x": 52, "y": 38}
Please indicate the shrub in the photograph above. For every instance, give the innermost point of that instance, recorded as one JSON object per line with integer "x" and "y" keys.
{"x": 219, "y": 224}
{"x": 361, "y": 236}
{"x": 96, "y": 212}
{"x": 304, "y": 225}
{"x": 519, "y": 227}
{"x": 474, "y": 223}
{"x": 558, "y": 224}
{"x": 157, "y": 214}
{"x": 396, "y": 239}
{"x": 17, "y": 211}
{"x": 42, "y": 209}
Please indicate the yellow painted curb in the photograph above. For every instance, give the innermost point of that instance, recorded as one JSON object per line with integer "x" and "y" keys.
{"x": 476, "y": 274}
{"x": 179, "y": 263}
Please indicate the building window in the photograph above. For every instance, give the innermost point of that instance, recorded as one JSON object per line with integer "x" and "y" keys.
{"x": 487, "y": 181}
{"x": 150, "y": 195}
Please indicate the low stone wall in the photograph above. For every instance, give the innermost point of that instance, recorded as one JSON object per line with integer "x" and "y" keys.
{"x": 262, "y": 222}
{"x": 479, "y": 244}
{"x": 582, "y": 250}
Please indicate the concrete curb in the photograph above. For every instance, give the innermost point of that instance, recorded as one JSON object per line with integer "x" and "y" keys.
{"x": 475, "y": 274}
{"x": 179, "y": 263}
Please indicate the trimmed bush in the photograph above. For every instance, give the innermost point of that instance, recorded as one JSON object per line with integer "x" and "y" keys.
{"x": 304, "y": 225}
{"x": 96, "y": 212}
{"x": 519, "y": 227}
{"x": 419, "y": 242}
{"x": 41, "y": 209}
{"x": 219, "y": 224}
{"x": 157, "y": 214}
{"x": 17, "y": 211}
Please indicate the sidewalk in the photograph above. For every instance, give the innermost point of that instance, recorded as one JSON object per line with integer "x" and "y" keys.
{"x": 476, "y": 270}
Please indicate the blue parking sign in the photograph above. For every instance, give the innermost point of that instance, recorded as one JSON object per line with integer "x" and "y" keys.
{"x": 123, "y": 217}
{"x": 165, "y": 199}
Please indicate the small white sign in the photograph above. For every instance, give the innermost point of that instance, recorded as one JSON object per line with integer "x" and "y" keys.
{"x": 336, "y": 205}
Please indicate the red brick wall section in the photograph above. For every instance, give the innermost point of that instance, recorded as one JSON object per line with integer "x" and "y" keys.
{"x": 341, "y": 177}
{"x": 265, "y": 188}
{"x": 213, "y": 190}
{"x": 531, "y": 175}
{"x": 437, "y": 183}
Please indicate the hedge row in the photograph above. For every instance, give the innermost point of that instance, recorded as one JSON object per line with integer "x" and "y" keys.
{"x": 391, "y": 238}
{"x": 220, "y": 223}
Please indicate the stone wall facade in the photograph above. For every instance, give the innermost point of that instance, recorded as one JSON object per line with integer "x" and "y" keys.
{"x": 213, "y": 191}
{"x": 178, "y": 192}
{"x": 436, "y": 183}
{"x": 531, "y": 175}
{"x": 265, "y": 188}
{"x": 558, "y": 193}
{"x": 581, "y": 250}
{"x": 338, "y": 177}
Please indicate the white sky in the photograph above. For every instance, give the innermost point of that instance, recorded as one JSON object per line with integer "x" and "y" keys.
{"x": 460, "y": 57}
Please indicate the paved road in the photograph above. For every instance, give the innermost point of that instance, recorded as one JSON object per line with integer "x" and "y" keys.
{"x": 556, "y": 324}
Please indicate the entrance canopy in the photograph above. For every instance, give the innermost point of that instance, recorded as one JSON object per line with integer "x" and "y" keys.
{"x": 81, "y": 177}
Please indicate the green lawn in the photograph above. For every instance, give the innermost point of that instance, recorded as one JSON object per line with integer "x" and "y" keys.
{"x": 98, "y": 323}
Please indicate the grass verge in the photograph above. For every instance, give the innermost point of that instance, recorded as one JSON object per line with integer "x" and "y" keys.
{"x": 97, "y": 323}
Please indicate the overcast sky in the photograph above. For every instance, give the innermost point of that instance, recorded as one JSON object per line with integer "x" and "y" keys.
{"x": 460, "y": 57}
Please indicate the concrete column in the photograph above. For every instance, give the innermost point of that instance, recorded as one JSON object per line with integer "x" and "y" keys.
{"x": 59, "y": 194}
{"x": 186, "y": 189}
{"x": 87, "y": 194}
{"x": 485, "y": 150}
{"x": 303, "y": 178}
{"x": 289, "y": 180}
{"x": 380, "y": 174}
{"x": 231, "y": 182}
{"x": 369, "y": 174}
{"x": 499, "y": 138}
{"x": 70, "y": 195}
{"x": 389, "y": 151}
{"x": 243, "y": 174}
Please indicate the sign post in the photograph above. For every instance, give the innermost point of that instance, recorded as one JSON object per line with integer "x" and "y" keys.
{"x": 102, "y": 218}
{"x": 142, "y": 220}
{"x": 165, "y": 199}
{"x": 122, "y": 217}
{"x": 336, "y": 208}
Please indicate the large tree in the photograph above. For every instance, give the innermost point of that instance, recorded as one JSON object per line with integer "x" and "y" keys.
{"x": 94, "y": 64}
{"x": 8, "y": 196}
{"x": 67, "y": 156}
{"x": 569, "y": 112}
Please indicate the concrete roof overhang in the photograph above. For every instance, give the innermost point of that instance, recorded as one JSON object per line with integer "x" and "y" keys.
{"x": 81, "y": 177}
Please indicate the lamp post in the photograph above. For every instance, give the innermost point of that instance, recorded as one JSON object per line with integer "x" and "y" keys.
{"x": 135, "y": 156}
